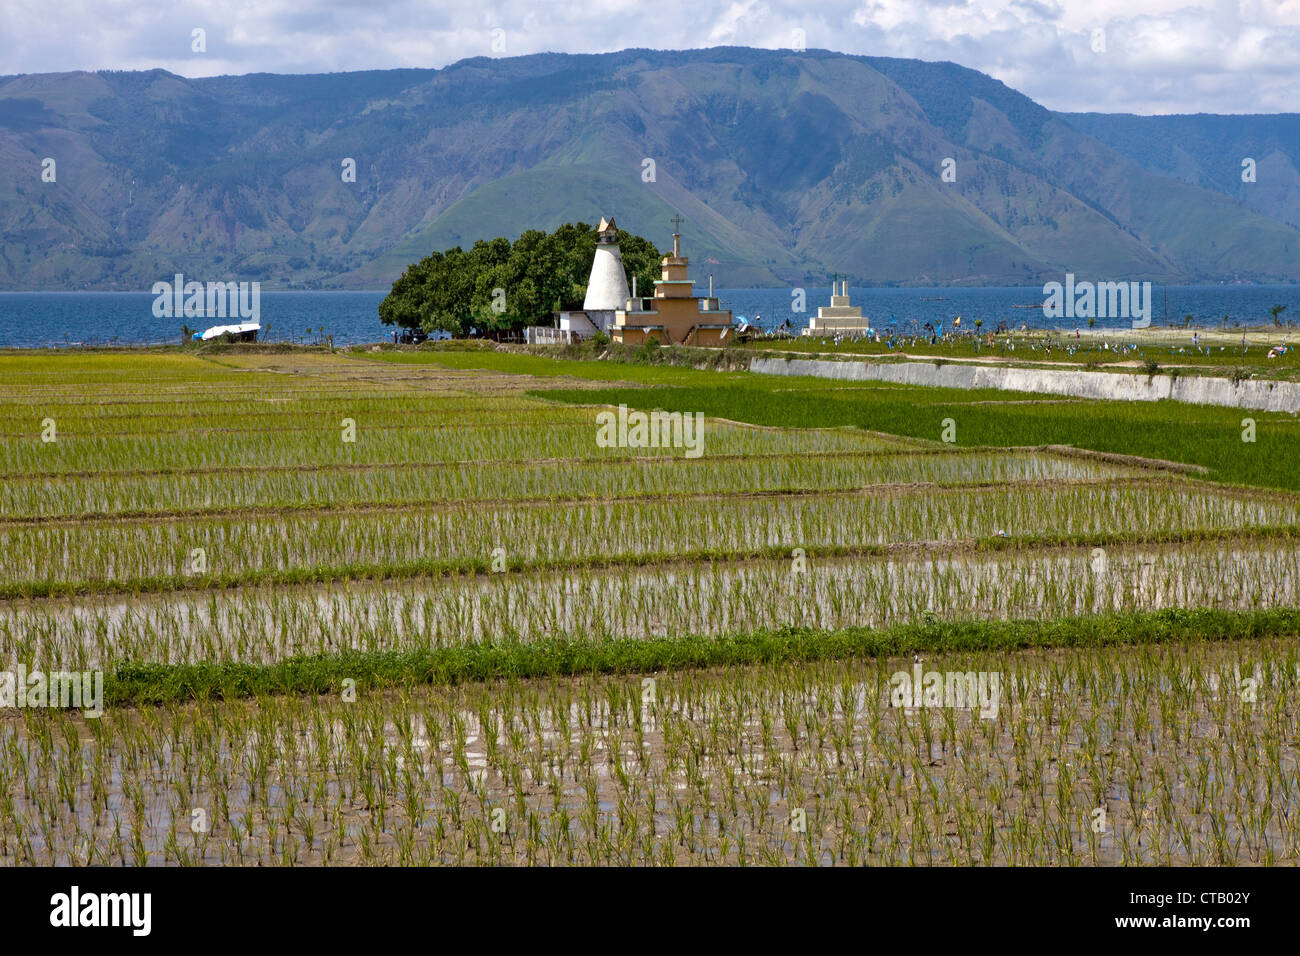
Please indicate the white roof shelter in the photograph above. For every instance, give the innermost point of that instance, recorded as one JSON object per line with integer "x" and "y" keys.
{"x": 219, "y": 330}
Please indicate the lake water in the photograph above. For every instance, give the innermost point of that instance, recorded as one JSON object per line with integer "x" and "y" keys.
{"x": 33, "y": 319}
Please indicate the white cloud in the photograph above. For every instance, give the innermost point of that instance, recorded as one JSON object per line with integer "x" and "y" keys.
{"x": 1160, "y": 55}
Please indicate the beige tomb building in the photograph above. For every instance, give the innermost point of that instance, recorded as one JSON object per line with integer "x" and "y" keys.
{"x": 672, "y": 316}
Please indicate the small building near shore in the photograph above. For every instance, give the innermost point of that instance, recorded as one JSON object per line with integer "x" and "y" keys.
{"x": 242, "y": 332}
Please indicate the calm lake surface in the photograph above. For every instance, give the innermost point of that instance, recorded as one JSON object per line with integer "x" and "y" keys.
{"x": 34, "y": 319}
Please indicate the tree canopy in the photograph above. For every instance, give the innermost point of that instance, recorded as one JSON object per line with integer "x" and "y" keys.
{"x": 500, "y": 286}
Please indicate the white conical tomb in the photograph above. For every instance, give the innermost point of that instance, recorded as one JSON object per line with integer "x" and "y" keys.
{"x": 607, "y": 286}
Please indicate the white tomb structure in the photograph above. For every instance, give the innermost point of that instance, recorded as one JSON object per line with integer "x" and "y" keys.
{"x": 839, "y": 317}
{"x": 607, "y": 292}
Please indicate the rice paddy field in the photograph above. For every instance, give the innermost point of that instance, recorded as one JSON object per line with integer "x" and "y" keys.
{"x": 404, "y": 608}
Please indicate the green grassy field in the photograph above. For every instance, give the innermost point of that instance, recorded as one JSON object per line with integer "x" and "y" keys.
{"x": 413, "y": 590}
{"x": 1205, "y": 436}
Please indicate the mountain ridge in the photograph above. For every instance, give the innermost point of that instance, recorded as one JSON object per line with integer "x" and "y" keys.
{"x": 787, "y": 167}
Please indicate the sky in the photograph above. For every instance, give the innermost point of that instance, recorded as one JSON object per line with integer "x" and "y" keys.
{"x": 1131, "y": 56}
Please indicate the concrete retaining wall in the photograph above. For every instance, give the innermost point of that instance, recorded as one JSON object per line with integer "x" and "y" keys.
{"x": 1197, "y": 390}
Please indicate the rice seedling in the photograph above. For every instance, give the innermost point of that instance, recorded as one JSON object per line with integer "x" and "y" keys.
{"x": 453, "y": 775}
{"x": 141, "y": 554}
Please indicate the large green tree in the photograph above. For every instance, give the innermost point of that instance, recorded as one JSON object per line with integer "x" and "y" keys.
{"x": 501, "y": 286}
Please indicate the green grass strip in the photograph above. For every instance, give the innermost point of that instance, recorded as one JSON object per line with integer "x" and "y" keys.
{"x": 152, "y": 684}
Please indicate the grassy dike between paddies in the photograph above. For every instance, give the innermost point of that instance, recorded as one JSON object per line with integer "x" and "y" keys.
{"x": 154, "y": 684}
